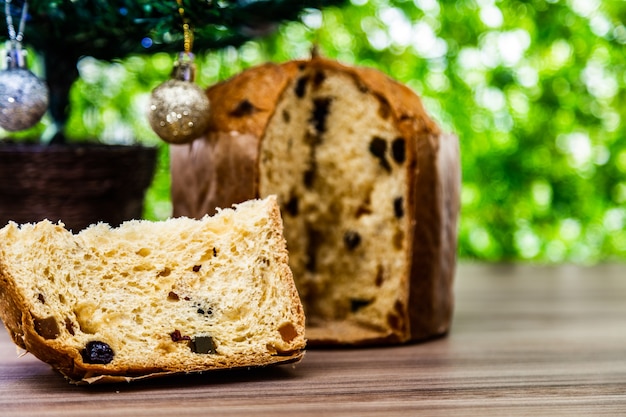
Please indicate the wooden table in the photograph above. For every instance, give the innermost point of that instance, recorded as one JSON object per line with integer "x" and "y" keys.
{"x": 548, "y": 341}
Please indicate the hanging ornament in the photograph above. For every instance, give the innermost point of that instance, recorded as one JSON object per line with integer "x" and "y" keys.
{"x": 23, "y": 96}
{"x": 179, "y": 108}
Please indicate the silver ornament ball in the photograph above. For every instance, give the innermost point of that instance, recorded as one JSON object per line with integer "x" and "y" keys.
{"x": 23, "y": 99}
{"x": 179, "y": 111}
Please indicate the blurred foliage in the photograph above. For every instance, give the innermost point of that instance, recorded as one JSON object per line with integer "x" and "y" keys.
{"x": 535, "y": 90}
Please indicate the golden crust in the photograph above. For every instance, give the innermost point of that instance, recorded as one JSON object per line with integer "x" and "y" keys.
{"x": 229, "y": 153}
{"x": 242, "y": 107}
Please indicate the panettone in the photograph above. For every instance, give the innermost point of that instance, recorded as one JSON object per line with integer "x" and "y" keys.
{"x": 368, "y": 188}
{"x": 153, "y": 298}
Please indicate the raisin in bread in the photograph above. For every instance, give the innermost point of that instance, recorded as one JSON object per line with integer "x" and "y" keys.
{"x": 153, "y": 298}
{"x": 368, "y": 188}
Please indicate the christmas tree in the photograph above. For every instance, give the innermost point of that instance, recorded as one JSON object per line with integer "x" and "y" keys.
{"x": 64, "y": 31}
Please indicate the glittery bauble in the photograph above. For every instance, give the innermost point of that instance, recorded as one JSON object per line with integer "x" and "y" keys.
{"x": 179, "y": 111}
{"x": 23, "y": 99}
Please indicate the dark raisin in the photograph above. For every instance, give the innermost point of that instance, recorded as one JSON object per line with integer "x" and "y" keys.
{"x": 351, "y": 239}
{"x": 172, "y": 296}
{"x": 69, "y": 326}
{"x": 318, "y": 79}
{"x": 380, "y": 276}
{"x": 321, "y": 107}
{"x": 398, "y": 150}
{"x": 393, "y": 321}
{"x": 378, "y": 148}
{"x": 196, "y": 268}
{"x": 214, "y": 252}
{"x": 363, "y": 210}
{"x": 398, "y": 207}
{"x": 177, "y": 336}
{"x": 385, "y": 164}
{"x": 244, "y": 108}
{"x": 399, "y": 307}
{"x": 300, "y": 89}
{"x": 398, "y": 239}
{"x": 313, "y": 140}
{"x": 292, "y": 206}
{"x": 357, "y": 304}
{"x": 309, "y": 177}
{"x": 396, "y": 320}
{"x": 200, "y": 311}
{"x": 41, "y": 299}
{"x": 315, "y": 239}
{"x": 384, "y": 109}
{"x": 202, "y": 344}
{"x": 47, "y": 328}
{"x": 97, "y": 352}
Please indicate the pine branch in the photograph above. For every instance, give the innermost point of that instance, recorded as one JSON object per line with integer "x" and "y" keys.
{"x": 114, "y": 29}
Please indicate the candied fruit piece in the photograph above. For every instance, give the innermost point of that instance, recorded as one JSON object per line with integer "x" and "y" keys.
{"x": 202, "y": 344}
{"x": 47, "y": 328}
{"x": 288, "y": 332}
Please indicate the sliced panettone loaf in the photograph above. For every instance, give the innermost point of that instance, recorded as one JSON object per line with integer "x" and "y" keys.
{"x": 153, "y": 298}
{"x": 368, "y": 188}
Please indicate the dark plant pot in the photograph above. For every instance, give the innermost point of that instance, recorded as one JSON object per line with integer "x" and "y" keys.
{"x": 76, "y": 184}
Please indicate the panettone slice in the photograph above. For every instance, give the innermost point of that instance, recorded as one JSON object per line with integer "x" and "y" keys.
{"x": 149, "y": 299}
{"x": 368, "y": 188}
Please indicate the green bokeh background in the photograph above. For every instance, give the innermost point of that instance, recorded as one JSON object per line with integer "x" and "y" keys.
{"x": 535, "y": 90}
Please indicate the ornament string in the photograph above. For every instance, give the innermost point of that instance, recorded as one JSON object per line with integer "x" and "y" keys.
{"x": 15, "y": 55}
{"x": 179, "y": 109}
{"x": 183, "y": 67}
{"x": 187, "y": 32}
{"x": 19, "y": 35}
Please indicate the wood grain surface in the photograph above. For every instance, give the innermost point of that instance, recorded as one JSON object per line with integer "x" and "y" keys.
{"x": 541, "y": 341}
